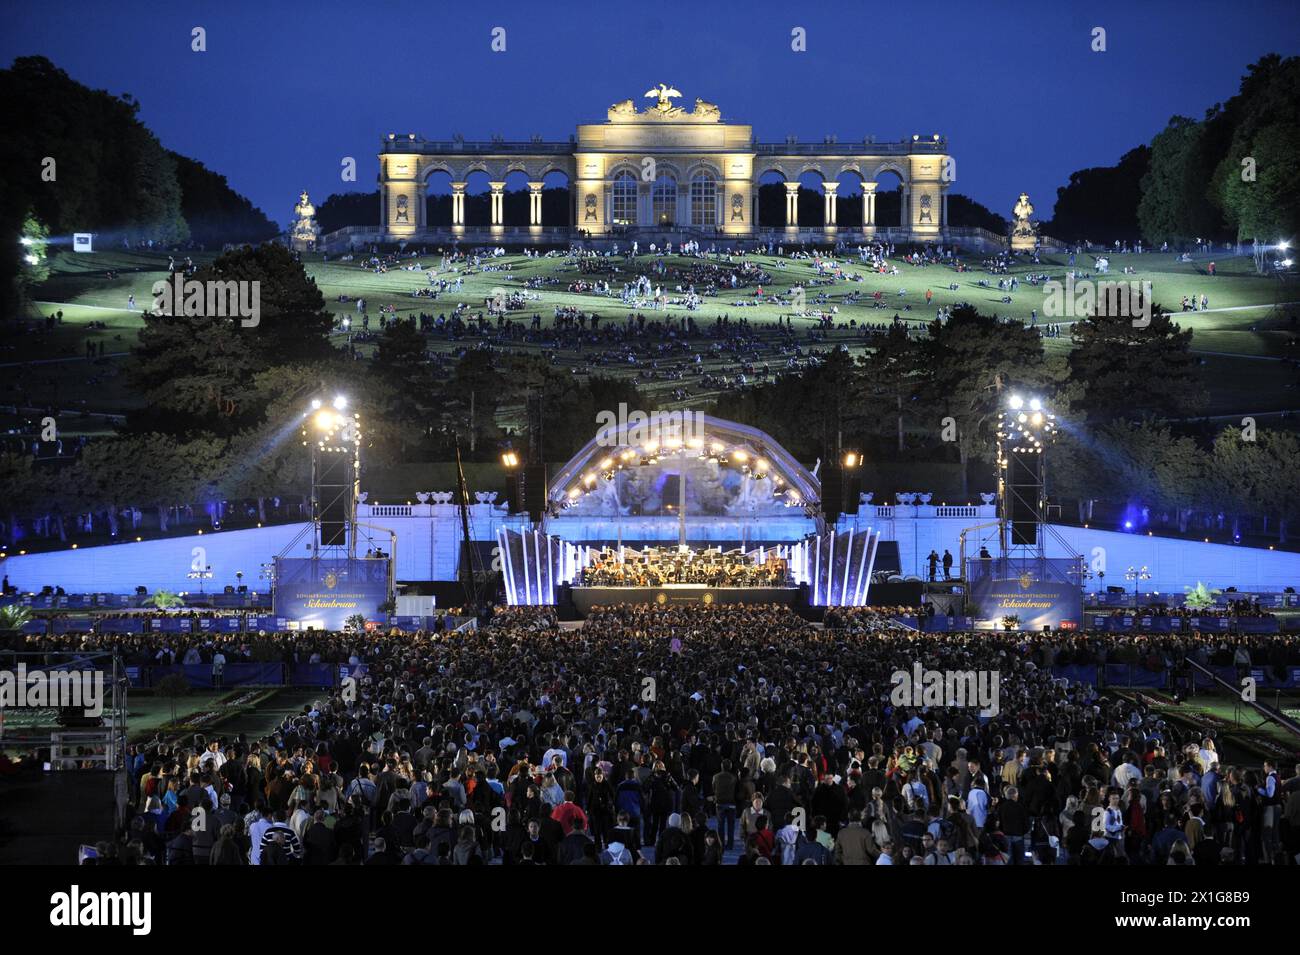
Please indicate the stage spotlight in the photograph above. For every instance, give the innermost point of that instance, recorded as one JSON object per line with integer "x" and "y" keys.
{"x": 326, "y": 420}
{"x": 315, "y": 403}
{"x": 340, "y": 402}
{"x": 1035, "y": 405}
{"x": 1128, "y": 525}
{"x": 1016, "y": 402}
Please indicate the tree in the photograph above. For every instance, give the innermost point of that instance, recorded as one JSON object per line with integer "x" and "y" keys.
{"x": 197, "y": 373}
{"x": 12, "y": 620}
{"x": 1127, "y": 371}
{"x": 401, "y": 360}
{"x": 164, "y": 600}
{"x": 171, "y": 688}
{"x": 471, "y": 397}
{"x": 1279, "y": 487}
{"x": 22, "y": 489}
{"x": 1100, "y": 204}
{"x": 1268, "y": 206}
{"x": 344, "y": 209}
{"x": 963, "y": 211}
{"x": 214, "y": 212}
{"x": 1234, "y": 476}
{"x": 969, "y": 360}
{"x": 34, "y": 242}
{"x": 1253, "y": 140}
{"x": 892, "y": 375}
{"x": 1175, "y": 202}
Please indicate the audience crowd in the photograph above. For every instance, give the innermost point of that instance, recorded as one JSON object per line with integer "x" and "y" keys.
{"x": 705, "y": 736}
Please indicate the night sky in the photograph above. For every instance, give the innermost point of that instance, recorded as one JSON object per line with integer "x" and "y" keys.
{"x": 286, "y": 90}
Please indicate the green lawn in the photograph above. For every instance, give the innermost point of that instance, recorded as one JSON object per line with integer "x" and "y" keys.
{"x": 1240, "y": 345}
{"x": 1247, "y": 736}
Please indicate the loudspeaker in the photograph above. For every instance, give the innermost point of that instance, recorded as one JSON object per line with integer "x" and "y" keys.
{"x": 533, "y": 490}
{"x": 1024, "y": 485}
{"x": 333, "y": 487}
{"x": 832, "y": 492}
{"x": 852, "y": 491}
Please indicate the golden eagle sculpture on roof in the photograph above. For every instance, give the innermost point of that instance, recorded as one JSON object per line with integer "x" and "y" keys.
{"x": 664, "y": 94}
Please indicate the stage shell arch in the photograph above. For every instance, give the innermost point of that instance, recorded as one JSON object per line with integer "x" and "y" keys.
{"x": 650, "y": 465}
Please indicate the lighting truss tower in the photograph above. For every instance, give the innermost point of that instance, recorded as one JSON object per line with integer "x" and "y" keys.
{"x": 334, "y": 436}
{"x": 1025, "y": 429}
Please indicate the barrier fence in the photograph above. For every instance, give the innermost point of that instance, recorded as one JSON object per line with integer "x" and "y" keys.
{"x": 234, "y": 623}
{"x": 1137, "y": 676}
{"x": 1128, "y": 623}
{"x": 203, "y": 676}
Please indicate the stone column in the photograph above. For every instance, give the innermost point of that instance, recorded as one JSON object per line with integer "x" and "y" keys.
{"x": 792, "y": 205}
{"x": 458, "y": 205}
{"x": 943, "y": 214}
{"x": 644, "y": 203}
{"x": 829, "y": 207}
{"x": 535, "y": 203}
{"x": 498, "y": 200}
{"x": 420, "y": 216}
{"x": 869, "y": 207}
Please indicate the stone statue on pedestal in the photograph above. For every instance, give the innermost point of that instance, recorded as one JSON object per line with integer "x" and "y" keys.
{"x": 1024, "y": 234}
{"x": 305, "y": 232}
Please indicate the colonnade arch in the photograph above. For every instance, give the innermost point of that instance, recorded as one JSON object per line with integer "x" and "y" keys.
{"x": 663, "y": 168}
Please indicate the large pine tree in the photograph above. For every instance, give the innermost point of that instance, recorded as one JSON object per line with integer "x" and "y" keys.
{"x": 1129, "y": 371}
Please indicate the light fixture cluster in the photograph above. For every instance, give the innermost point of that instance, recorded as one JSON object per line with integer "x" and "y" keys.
{"x": 1026, "y": 426}
{"x": 333, "y": 429}
{"x": 649, "y": 455}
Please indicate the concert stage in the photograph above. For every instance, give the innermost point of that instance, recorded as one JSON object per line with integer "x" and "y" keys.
{"x": 668, "y": 595}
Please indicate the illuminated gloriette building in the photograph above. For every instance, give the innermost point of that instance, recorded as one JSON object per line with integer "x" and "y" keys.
{"x": 663, "y": 170}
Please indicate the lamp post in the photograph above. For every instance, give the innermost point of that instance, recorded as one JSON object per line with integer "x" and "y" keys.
{"x": 1137, "y": 575}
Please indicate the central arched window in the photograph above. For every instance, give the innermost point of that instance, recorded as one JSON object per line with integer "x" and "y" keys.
{"x": 704, "y": 201}
{"x": 625, "y": 199}
{"x": 664, "y": 200}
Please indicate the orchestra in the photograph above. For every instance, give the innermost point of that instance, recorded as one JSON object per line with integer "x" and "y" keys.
{"x": 655, "y": 567}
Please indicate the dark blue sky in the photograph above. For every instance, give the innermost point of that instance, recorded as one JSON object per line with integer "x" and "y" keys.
{"x": 286, "y": 90}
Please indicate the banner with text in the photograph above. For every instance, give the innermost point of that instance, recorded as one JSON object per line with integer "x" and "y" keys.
{"x": 1035, "y": 603}
{"x": 322, "y": 593}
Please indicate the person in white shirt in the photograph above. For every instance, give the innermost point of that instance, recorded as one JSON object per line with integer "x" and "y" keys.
{"x": 977, "y": 804}
{"x": 1126, "y": 772}
{"x": 213, "y": 759}
{"x": 1208, "y": 754}
{"x": 255, "y": 833}
{"x": 886, "y": 856}
{"x": 1114, "y": 820}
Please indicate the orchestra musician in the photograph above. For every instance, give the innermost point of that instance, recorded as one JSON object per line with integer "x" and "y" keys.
{"x": 656, "y": 567}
